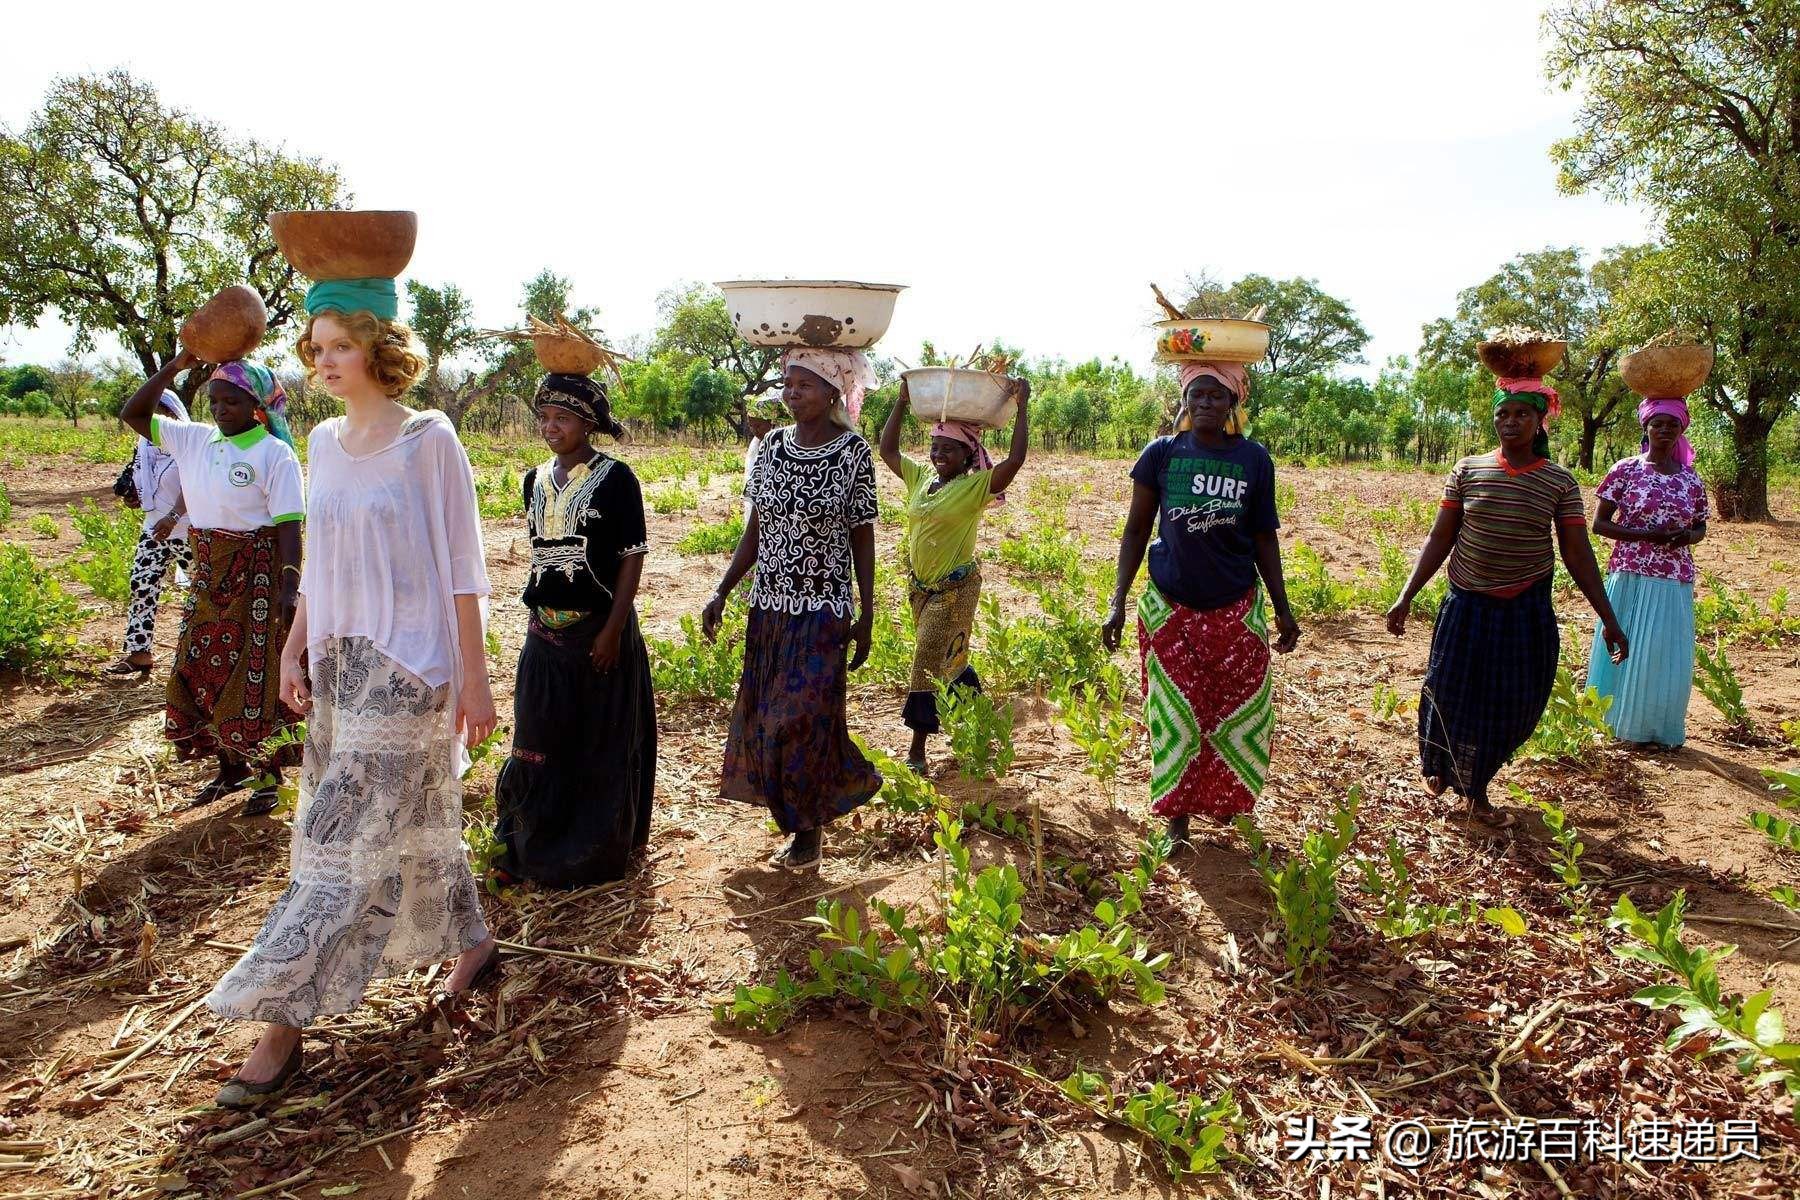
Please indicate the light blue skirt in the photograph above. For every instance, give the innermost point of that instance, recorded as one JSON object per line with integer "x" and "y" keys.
{"x": 1649, "y": 689}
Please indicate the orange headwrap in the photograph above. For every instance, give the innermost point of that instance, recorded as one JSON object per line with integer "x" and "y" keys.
{"x": 1233, "y": 375}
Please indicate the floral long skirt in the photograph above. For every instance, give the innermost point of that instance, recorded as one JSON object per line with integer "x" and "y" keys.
{"x": 224, "y": 695}
{"x": 789, "y": 747}
{"x": 379, "y": 881}
{"x": 1208, "y": 704}
{"x": 942, "y": 617}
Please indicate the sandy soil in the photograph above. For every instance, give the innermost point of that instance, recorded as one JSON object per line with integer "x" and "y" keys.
{"x": 644, "y": 1096}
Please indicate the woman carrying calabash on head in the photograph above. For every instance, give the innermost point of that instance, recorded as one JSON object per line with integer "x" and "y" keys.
{"x": 573, "y": 800}
{"x": 162, "y": 542}
{"x": 811, "y": 530}
{"x": 1653, "y": 506}
{"x": 1494, "y": 647}
{"x": 1203, "y": 632}
{"x": 944, "y": 506}
{"x": 386, "y": 659}
{"x": 241, "y": 483}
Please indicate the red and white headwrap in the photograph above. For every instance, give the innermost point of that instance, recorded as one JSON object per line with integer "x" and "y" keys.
{"x": 846, "y": 370}
{"x": 969, "y": 434}
{"x": 1235, "y": 376}
{"x": 1514, "y": 385}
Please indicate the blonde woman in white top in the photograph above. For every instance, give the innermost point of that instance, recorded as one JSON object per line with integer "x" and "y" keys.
{"x": 386, "y": 657}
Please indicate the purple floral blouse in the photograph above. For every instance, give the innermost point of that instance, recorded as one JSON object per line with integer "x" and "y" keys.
{"x": 1648, "y": 499}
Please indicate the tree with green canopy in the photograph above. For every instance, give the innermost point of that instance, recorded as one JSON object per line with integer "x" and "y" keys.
{"x": 707, "y": 396}
{"x": 1552, "y": 290}
{"x": 693, "y": 323}
{"x": 71, "y": 386}
{"x": 1310, "y": 331}
{"x": 123, "y": 215}
{"x": 1693, "y": 108}
{"x": 443, "y": 319}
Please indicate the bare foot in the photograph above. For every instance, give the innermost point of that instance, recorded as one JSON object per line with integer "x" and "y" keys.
{"x": 270, "y": 1055}
{"x": 468, "y": 964}
{"x": 1481, "y": 810}
{"x": 1434, "y": 785}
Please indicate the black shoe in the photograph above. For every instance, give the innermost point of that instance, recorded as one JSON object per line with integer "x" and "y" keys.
{"x": 261, "y": 802}
{"x": 219, "y": 787}
{"x": 126, "y": 667}
{"x": 238, "y": 1094}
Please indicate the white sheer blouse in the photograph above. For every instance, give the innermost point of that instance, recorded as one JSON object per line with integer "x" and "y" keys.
{"x": 392, "y": 538}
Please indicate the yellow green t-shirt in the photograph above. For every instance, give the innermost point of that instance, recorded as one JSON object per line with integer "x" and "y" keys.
{"x": 941, "y": 525}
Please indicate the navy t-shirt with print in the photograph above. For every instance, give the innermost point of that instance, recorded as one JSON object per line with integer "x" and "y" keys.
{"x": 1212, "y": 503}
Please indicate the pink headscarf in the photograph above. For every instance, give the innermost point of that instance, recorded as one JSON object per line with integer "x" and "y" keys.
{"x": 1235, "y": 376}
{"x": 846, "y": 370}
{"x": 969, "y": 434}
{"x": 1684, "y": 449}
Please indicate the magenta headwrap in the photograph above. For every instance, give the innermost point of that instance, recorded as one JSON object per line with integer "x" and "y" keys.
{"x": 846, "y": 370}
{"x": 1233, "y": 375}
{"x": 969, "y": 434}
{"x": 1684, "y": 449}
{"x": 262, "y": 385}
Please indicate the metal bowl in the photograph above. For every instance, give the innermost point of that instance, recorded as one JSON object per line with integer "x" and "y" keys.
{"x": 837, "y": 313}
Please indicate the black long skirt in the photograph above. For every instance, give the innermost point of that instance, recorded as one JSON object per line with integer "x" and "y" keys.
{"x": 1493, "y": 663}
{"x": 574, "y": 798}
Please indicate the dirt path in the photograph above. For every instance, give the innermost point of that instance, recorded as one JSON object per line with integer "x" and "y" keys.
{"x": 599, "y": 1079}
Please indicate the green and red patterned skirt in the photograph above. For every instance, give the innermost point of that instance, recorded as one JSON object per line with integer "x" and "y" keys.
{"x": 224, "y": 694}
{"x": 1207, "y": 703}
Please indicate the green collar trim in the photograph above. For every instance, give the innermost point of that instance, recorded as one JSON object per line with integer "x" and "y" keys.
{"x": 248, "y": 438}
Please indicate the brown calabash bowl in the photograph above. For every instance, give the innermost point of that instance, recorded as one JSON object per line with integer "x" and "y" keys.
{"x": 358, "y": 244}
{"x": 565, "y": 355}
{"x": 1667, "y": 372}
{"x": 227, "y": 327}
{"x": 1523, "y": 360}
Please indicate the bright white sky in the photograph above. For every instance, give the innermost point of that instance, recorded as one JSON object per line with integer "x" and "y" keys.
{"x": 1025, "y": 168}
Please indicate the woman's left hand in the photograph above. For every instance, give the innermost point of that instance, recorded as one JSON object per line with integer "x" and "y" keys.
{"x": 1288, "y": 630}
{"x": 859, "y": 638}
{"x": 604, "y": 653}
{"x": 1616, "y": 643}
{"x": 475, "y": 718}
{"x": 1020, "y": 387}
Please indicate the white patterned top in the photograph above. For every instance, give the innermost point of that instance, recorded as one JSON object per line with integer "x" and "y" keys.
{"x": 808, "y": 499}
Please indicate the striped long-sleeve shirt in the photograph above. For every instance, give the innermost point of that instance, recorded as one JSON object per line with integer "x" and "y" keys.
{"x": 1506, "y": 542}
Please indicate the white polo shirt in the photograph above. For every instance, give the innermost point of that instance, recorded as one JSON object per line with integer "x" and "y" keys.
{"x": 242, "y": 482}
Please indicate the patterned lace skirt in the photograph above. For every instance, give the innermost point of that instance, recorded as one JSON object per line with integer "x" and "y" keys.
{"x": 380, "y": 883}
